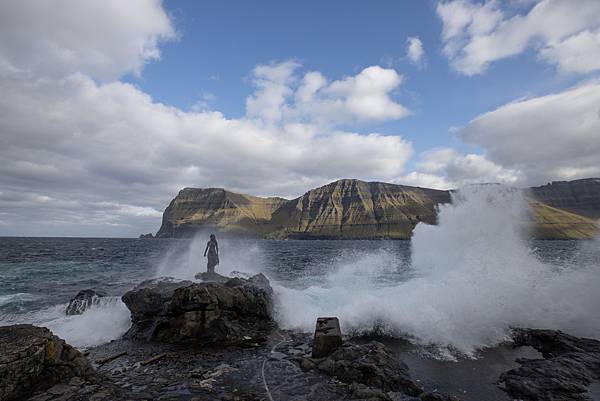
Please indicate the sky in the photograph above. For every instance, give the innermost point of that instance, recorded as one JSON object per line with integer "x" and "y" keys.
{"x": 109, "y": 108}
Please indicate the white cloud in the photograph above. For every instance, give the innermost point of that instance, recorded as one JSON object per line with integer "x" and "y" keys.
{"x": 77, "y": 139}
{"x": 414, "y": 51}
{"x": 579, "y": 53}
{"x": 551, "y": 137}
{"x": 282, "y": 96}
{"x": 80, "y": 148}
{"x": 562, "y": 32}
{"x": 446, "y": 168}
{"x": 104, "y": 40}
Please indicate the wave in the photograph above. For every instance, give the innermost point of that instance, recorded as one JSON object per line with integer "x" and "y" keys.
{"x": 16, "y": 298}
{"x": 104, "y": 321}
{"x": 472, "y": 278}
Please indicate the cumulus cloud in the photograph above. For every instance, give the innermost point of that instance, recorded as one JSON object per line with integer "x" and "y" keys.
{"x": 282, "y": 95}
{"x": 561, "y": 32}
{"x": 446, "y": 168}
{"x": 414, "y": 51}
{"x": 84, "y": 153}
{"x": 104, "y": 40}
{"x": 550, "y": 137}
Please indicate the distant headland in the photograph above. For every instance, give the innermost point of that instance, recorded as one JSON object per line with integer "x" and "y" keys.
{"x": 354, "y": 209}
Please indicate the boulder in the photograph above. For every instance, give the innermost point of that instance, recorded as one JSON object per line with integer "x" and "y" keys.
{"x": 569, "y": 365}
{"x": 146, "y": 302}
{"x": 371, "y": 364}
{"x": 328, "y": 337}
{"x": 236, "y": 311}
{"x": 146, "y": 236}
{"x": 33, "y": 358}
{"x": 82, "y": 301}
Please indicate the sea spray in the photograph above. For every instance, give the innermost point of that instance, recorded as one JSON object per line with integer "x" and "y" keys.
{"x": 186, "y": 260}
{"x": 474, "y": 277}
{"x": 104, "y": 321}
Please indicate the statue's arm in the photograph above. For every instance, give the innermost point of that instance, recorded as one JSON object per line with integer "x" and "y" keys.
{"x": 205, "y": 250}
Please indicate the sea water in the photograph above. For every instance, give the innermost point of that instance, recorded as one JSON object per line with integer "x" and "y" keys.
{"x": 457, "y": 287}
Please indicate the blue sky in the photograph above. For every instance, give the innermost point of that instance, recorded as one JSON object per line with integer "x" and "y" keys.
{"x": 220, "y": 42}
{"x": 110, "y": 108}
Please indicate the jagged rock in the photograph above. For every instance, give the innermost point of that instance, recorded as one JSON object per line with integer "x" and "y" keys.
{"x": 32, "y": 357}
{"x": 82, "y": 301}
{"x": 238, "y": 310}
{"x": 371, "y": 364}
{"x": 146, "y": 236}
{"x": 570, "y": 364}
{"x": 328, "y": 337}
{"x": 146, "y": 301}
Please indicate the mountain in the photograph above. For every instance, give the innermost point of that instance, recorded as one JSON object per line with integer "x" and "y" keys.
{"x": 217, "y": 208}
{"x": 356, "y": 209}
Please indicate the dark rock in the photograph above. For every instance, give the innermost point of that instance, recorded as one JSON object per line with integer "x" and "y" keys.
{"x": 146, "y": 236}
{"x": 570, "y": 364}
{"x": 435, "y": 396}
{"x": 146, "y": 301}
{"x": 211, "y": 277}
{"x": 33, "y": 358}
{"x": 371, "y": 364}
{"x": 328, "y": 336}
{"x": 82, "y": 301}
{"x": 238, "y": 310}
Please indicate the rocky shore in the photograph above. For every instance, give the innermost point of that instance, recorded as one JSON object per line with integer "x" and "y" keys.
{"x": 217, "y": 340}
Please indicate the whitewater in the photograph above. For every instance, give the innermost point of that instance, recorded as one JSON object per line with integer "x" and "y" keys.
{"x": 461, "y": 285}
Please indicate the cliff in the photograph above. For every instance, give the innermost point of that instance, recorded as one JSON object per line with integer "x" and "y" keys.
{"x": 219, "y": 209}
{"x": 356, "y": 209}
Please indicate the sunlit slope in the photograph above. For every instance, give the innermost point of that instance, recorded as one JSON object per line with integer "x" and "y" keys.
{"x": 349, "y": 209}
{"x": 358, "y": 209}
{"x": 553, "y": 223}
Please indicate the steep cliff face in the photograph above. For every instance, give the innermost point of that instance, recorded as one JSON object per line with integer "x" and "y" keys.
{"x": 579, "y": 196}
{"x": 215, "y": 208}
{"x": 357, "y": 209}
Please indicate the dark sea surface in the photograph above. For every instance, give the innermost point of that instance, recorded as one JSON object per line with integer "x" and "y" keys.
{"x": 36, "y": 273}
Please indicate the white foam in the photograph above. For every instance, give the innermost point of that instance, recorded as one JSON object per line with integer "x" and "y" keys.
{"x": 101, "y": 323}
{"x": 18, "y": 297}
{"x": 474, "y": 278}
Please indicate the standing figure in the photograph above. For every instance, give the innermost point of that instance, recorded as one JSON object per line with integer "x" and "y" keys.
{"x": 212, "y": 248}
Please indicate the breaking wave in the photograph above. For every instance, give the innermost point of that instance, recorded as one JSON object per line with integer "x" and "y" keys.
{"x": 471, "y": 279}
{"x": 104, "y": 321}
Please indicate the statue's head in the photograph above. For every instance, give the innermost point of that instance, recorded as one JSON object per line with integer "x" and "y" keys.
{"x": 212, "y": 236}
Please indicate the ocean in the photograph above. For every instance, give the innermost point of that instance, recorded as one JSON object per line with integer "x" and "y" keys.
{"x": 458, "y": 287}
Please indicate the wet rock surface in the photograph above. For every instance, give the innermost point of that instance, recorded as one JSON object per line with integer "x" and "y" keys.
{"x": 141, "y": 370}
{"x": 238, "y": 310}
{"x": 83, "y": 301}
{"x": 569, "y": 366}
{"x": 371, "y": 365}
{"x": 32, "y": 357}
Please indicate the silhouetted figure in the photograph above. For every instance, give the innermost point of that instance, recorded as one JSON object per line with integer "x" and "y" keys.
{"x": 212, "y": 248}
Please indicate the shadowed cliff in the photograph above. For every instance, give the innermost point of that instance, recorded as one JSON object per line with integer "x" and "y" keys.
{"x": 354, "y": 209}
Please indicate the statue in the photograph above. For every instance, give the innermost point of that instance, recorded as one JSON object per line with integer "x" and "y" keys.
{"x": 212, "y": 249}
